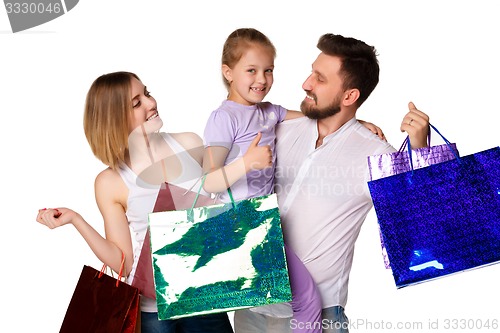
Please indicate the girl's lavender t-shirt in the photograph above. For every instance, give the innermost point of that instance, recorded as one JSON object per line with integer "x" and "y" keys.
{"x": 234, "y": 126}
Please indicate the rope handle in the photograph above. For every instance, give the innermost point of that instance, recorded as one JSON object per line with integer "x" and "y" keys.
{"x": 448, "y": 144}
{"x": 122, "y": 268}
{"x": 201, "y": 186}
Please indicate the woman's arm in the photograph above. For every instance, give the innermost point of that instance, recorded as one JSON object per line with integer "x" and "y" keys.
{"x": 108, "y": 249}
{"x": 111, "y": 197}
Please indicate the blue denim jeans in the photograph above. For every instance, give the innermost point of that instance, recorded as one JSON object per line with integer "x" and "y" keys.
{"x": 335, "y": 320}
{"x": 216, "y": 323}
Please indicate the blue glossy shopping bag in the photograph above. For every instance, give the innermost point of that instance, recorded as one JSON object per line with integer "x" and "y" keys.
{"x": 388, "y": 164}
{"x": 441, "y": 219}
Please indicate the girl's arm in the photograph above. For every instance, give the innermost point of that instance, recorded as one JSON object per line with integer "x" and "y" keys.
{"x": 220, "y": 177}
{"x": 109, "y": 249}
{"x": 374, "y": 128}
{"x": 291, "y": 114}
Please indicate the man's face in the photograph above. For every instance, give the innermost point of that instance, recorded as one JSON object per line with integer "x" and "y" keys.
{"x": 324, "y": 88}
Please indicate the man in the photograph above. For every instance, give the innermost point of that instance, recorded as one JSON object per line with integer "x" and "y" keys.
{"x": 322, "y": 174}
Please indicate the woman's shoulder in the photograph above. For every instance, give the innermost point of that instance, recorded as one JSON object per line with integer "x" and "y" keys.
{"x": 188, "y": 140}
{"x": 108, "y": 179}
{"x": 110, "y": 189}
{"x": 191, "y": 142}
{"x": 106, "y": 175}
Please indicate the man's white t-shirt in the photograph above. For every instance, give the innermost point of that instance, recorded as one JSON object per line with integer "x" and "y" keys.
{"x": 324, "y": 198}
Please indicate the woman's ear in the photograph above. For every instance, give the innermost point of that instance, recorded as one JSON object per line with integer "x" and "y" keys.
{"x": 227, "y": 72}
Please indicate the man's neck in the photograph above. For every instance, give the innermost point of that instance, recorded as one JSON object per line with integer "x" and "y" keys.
{"x": 331, "y": 124}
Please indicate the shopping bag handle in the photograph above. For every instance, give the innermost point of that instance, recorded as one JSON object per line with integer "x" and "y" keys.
{"x": 122, "y": 265}
{"x": 201, "y": 186}
{"x": 448, "y": 144}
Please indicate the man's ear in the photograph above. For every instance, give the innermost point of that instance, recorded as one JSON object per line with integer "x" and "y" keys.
{"x": 350, "y": 97}
{"x": 227, "y": 72}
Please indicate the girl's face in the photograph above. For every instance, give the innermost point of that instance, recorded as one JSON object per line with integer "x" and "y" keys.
{"x": 251, "y": 78}
{"x": 144, "y": 108}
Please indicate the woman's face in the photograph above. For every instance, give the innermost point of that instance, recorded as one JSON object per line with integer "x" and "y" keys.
{"x": 144, "y": 108}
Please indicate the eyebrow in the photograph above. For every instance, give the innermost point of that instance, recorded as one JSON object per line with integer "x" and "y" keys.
{"x": 319, "y": 74}
{"x": 137, "y": 96}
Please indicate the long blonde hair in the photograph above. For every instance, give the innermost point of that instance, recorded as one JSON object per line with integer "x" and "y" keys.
{"x": 108, "y": 108}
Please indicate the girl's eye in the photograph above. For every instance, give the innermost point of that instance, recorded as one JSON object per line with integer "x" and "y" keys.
{"x": 136, "y": 104}
{"x": 147, "y": 93}
{"x": 251, "y": 71}
{"x": 269, "y": 70}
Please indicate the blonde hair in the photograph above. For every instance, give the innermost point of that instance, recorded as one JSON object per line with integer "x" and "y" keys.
{"x": 238, "y": 42}
{"x": 108, "y": 108}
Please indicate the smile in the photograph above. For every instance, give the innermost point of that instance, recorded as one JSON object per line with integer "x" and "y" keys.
{"x": 152, "y": 116}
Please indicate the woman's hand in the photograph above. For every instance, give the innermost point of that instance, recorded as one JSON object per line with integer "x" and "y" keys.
{"x": 56, "y": 217}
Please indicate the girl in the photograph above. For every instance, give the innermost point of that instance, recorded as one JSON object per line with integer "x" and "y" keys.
{"x": 240, "y": 138}
{"x": 117, "y": 105}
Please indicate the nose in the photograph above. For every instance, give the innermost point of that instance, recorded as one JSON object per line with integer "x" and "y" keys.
{"x": 307, "y": 85}
{"x": 150, "y": 102}
{"x": 261, "y": 77}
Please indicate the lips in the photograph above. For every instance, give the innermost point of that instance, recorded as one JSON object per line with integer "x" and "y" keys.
{"x": 152, "y": 116}
{"x": 310, "y": 99}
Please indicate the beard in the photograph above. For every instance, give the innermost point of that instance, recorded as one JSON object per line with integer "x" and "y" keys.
{"x": 313, "y": 112}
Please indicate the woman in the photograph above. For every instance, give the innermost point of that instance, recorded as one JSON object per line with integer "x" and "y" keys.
{"x": 119, "y": 114}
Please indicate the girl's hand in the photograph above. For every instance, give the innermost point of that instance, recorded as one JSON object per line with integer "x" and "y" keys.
{"x": 258, "y": 157}
{"x": 374, "y": 128}
{"x": 55, "y": 217}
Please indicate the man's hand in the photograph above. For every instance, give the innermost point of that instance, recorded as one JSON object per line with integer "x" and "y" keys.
{"x": 416, "y": 124}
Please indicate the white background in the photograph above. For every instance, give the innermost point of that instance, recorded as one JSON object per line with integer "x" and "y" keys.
{"x": 443, "y": 55}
